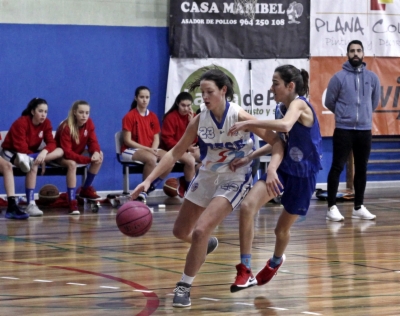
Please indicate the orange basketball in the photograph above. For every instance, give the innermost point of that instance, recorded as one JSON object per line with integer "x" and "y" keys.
{"x": 170, "y": 187}
{"x": 48, "y": 193}
{"x": 134, "y": 219}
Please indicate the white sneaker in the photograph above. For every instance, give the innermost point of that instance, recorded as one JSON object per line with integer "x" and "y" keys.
{"x": 334, "y": 215}
{"x": 25, "y": 162}
{"x": 362, "y": 213}
{"x": 33, "y": 210}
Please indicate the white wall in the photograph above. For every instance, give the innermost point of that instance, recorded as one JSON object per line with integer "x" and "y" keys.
{"x": 86, "y": 12}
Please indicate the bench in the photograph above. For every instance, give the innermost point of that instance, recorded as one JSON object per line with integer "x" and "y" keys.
{"x": 52, "y": 169}
{"x": 134, "y": 167}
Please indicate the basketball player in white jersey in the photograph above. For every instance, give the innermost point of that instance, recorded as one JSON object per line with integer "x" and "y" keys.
{"x": 216, "y": 190}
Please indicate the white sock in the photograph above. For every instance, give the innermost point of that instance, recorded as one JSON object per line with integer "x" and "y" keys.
{"x": 187, "y": 279}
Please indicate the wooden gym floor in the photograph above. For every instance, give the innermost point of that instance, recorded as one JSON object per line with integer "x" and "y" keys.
{"x": 83, "y": 265}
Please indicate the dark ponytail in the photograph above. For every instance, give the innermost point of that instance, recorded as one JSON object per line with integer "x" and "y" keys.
{"x": 32, "y": 105}
{"x": 290, "y": 73}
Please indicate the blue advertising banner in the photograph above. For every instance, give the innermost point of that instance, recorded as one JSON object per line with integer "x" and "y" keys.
{"x": 218, "y": 29}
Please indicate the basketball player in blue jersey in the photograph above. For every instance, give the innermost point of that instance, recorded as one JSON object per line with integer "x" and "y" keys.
{"x": 297, "y": 124}
{"x": 216, "y": 190}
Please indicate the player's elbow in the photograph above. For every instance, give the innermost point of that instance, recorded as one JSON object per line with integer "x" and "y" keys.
{"x": 286, "y": 127}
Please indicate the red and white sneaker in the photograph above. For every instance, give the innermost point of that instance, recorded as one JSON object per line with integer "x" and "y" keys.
{"x": 244, "y": 279}
{"x": 181, "y": 187}
{"x": 266, "y": 274}
{"x": 89, "y": 193}
{"x": 73, "y": 208}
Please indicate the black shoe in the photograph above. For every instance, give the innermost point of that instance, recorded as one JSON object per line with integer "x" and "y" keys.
{"x": 14, "y": 212}
{"x": 182, "y": 295}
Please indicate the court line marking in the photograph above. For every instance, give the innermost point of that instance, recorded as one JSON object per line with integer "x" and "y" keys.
{"x": 72, "y": 283}
{"x": 152, "y": 300}
{"x": 247, "y": 304}
{"x": 10, "y": 278}
{"x": 310, "y": 313}
{"x": 109, "y": 287}
{"x": 278, "y": 308}
{"x": 44, "y": 281}
{"x": 210, "y": 299}
{"x": 388, "y": 200}
{"x": 143, "y": 291}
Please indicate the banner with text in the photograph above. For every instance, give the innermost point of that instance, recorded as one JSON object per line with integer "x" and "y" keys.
{"x": 260, "y": 103}
{"x": 334, "y": 24}
{"x": 386, "y": 118}
{"x": 217, "y": 29}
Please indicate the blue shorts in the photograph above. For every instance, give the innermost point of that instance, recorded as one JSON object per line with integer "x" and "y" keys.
{"x": 297, "y": 192}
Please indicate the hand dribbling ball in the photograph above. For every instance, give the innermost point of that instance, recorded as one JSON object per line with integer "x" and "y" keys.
{"x": 170, "y": 187}
{"x": 134, "y": 219}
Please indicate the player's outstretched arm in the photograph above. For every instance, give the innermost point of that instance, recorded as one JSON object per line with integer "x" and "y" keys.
{"x": 239, "y": 162}
{"x": 248, "y": 122}
{"x": 170, "y": 157}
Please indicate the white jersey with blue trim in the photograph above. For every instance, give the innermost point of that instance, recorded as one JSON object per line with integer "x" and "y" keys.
{"x": 217, "y": 149}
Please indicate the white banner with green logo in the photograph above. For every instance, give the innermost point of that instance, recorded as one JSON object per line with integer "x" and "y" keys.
{"x": 182, "y": 72}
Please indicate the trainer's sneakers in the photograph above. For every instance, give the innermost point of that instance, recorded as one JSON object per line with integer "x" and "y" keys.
{"x": 181, "y": 189}
{"x": 89, "y": 193}
{"x": 212, "y": 244}
{"x": 24, "y": 162}
{"x": 142, "y": 197}
{"x": 33, "y": 210}
{"x": 266, "y": 274}
{"x": 73, "y": 208}
{"x": 182, "y": 295}
{"x": 244, "y": 279}
{"x": 362, "y": 213}
{"x": 14, "y": 212}
{"x": 334, "y": 215}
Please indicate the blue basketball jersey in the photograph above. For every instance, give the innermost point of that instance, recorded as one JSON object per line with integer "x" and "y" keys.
{"x": 303, "y": 146}
{"x": 217, "y": 149}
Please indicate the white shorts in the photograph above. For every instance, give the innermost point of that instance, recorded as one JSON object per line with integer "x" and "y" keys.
{"x": 7, "y": 155}
{"x": 127, "y": 154}
{"x": 207, "y": 184}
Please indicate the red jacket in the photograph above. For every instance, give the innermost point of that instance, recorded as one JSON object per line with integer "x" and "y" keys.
{"x": 24, "y": 137}
{"x": 72, "y": 150}
{"x": 173, "y": 127}
{"x": 142, "y": 128}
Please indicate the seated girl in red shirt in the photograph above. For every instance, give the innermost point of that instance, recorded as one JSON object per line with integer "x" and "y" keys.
{"x": 73, "y": 135}
{"x": 21, "y": 147}
{"x": 174, "y": 126}
{"x": 140, "y": 130}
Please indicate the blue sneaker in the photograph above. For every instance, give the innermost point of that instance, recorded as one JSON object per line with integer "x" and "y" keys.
{"x": 14, "y": 212}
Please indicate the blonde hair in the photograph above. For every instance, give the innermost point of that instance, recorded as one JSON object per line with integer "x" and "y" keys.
{"x": 71, "y": 120}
